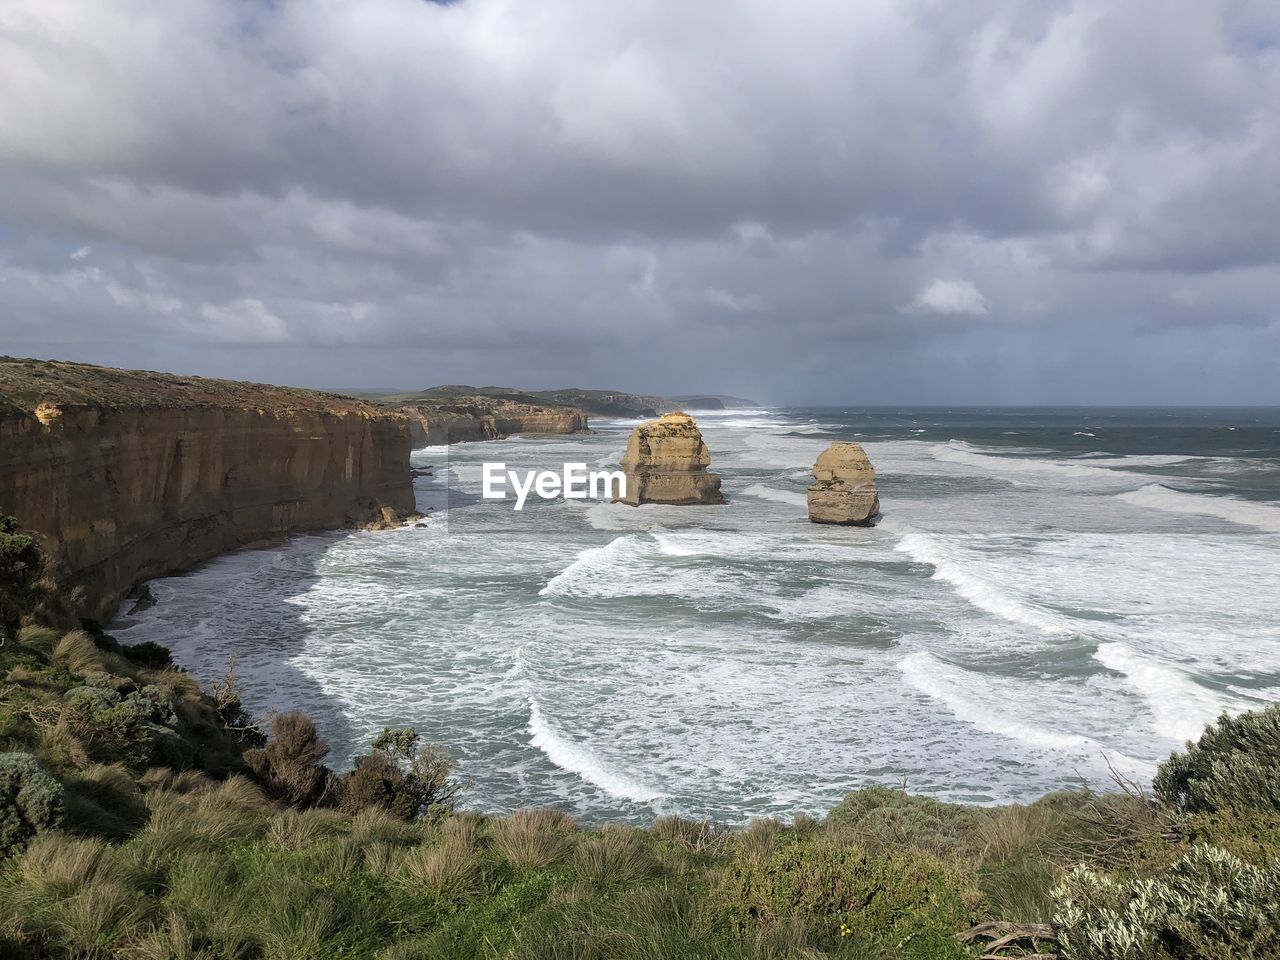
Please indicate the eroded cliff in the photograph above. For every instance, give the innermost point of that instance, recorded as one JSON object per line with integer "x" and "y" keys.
{"x": 440, "y": 421}
{"x": 127, "y": 475}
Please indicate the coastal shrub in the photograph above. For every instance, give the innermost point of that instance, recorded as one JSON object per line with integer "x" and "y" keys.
{"x": 877, "y": 817}
{"x": 19, "y": 572}
{"x": 1234, "y": 765}
{"x": 289, "y": 766}
{"x": 149, "y": 654}
{"x": 403, "y": 775}
{"x": 31, "y": 801}
{"x": 1210, "y": 905}
{"x": 886, "y": 896}
{"x": 138, "y": 728}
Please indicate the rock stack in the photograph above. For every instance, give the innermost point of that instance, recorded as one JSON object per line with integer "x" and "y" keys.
{"x": 844, "y": 490}
{"x": 666, "y": 462}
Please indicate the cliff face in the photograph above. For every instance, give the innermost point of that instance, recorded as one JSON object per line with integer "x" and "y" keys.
{"x": 844, "y": 489}
{"x": 128, "y": 475}
{"x": 434, "y": 422}
{"x": 666, "y": 462}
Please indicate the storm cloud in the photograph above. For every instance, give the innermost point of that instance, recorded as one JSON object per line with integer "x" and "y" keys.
{"x": 895, "y": 201}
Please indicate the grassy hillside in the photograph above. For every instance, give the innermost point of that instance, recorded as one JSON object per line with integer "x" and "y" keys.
{"x": 604, "y": 403}
{"x": 144, "y": 817}
{"x": 25, "y": 384}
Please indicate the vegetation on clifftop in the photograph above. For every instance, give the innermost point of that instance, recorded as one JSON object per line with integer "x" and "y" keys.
{"x": 144, "y": 817}
{"x": 27, "y": 383}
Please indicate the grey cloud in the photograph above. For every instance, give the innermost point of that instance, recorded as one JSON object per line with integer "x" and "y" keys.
{"x": 951, "y": 198}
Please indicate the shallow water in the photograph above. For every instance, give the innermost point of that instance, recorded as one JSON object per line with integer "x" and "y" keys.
{"x": 1050, "y": 593}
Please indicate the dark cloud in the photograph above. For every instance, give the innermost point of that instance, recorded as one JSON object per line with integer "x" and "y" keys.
{"x": 904, "y": 201}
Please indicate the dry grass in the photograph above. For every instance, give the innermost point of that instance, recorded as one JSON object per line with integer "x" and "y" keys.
{"x": 534, "y": 838}
{"x": 618, "y": 855}
{"x": 761, "y": 838}
{"x": 452, "y": 867}
{"x": 169, "y": 938}
{"x": 696, "y": 836}
{"x": 374, "y": 825}
{"x": 78, "y": 653}
{"x": 293, "y": 831}
{"x": 57, "y": 865}
{"x": 384, "y": 859}
{"x": 235, "y": 793}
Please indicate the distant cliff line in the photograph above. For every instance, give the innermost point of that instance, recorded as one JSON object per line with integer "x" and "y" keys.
{"x": 127, "y": 475}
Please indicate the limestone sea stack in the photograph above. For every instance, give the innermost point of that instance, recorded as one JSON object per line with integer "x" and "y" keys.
{"x": 844, "y": 490}
{"x": 666, "y": 462}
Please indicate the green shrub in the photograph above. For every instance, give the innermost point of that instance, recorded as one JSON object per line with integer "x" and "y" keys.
{"x": 403, "y": 775}
{"x": 31, "y": 801}
{"x": 1210, "y": 905}
{"x": 888, "y": 896}
{"x": 152, "y": 655}
{"x": 19, "y": 570}
{"x": 1234, "y": 765}
{"x": 138, "y": 728}
{"x": 878, "y": 817}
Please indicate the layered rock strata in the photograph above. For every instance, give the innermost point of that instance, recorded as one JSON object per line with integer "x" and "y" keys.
{"x": 435, "y": 422}
{"x": 844, "y": 487}
{"x": 666, "y": 462}
{"x": 128, "y": 475}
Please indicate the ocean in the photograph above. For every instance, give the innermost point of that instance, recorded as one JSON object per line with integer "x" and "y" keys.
{"x": 1052, "y": 597}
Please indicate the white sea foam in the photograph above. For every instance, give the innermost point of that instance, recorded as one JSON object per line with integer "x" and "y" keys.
{"x": 924, "y": 548}
{"x": 1180, "y": 707}
{"x": 961, "y": 453}
{"x": 579, "y": 760}
{"x": 1262, "y": 516}
{"x": 778, "y": 496}
{"x": 948, "y": 684}
{"x": 593, "y": 565}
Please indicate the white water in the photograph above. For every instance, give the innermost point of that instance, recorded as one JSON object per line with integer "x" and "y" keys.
{"x": 1024, "y": 618}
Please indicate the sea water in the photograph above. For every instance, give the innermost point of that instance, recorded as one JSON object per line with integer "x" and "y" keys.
{"x": 1052, "y": 597}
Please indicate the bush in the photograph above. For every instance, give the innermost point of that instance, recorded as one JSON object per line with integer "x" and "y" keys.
{"x": 1234, "y": 765}
{"x": 31, "y": 801}
{"x": 403, "y": 775}
{"x": 886, "y": 896}
{"x": 289, "y": 766}
{"x": 878, "y": 817}
{"x": 19, "y": 570}
{"x": 152, "y": 655}
{"x": 139, "y": 728}
{"x": 1209, "y": 905}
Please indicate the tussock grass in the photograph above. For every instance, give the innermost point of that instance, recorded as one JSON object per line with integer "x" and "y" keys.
{"x": 78, "y": 653}
{"x": 57, "y": 865}
{"x": 534, "y": 838}
{"x": 616, "y": 856}
{"x": 374, "y": 824}
{"x": 451, "y": 867}
{"x": 693, "y": 835}
{"x": 384, "y": 859}
{"x": 292, "y": 830}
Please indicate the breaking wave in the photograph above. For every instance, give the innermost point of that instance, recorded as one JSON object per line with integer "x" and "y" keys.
{"x": 577, "y": 759}
{"x": 1180, "y": 707}
{"x": 984, "y": 595}
{"x": 1261, "y": 516}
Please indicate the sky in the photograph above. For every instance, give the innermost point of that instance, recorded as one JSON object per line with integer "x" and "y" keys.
{"x": 882, "y": 202}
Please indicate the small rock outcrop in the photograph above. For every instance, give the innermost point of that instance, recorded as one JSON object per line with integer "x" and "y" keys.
{"x": 666, "y": 462}
{"x": 844, "y": 488}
